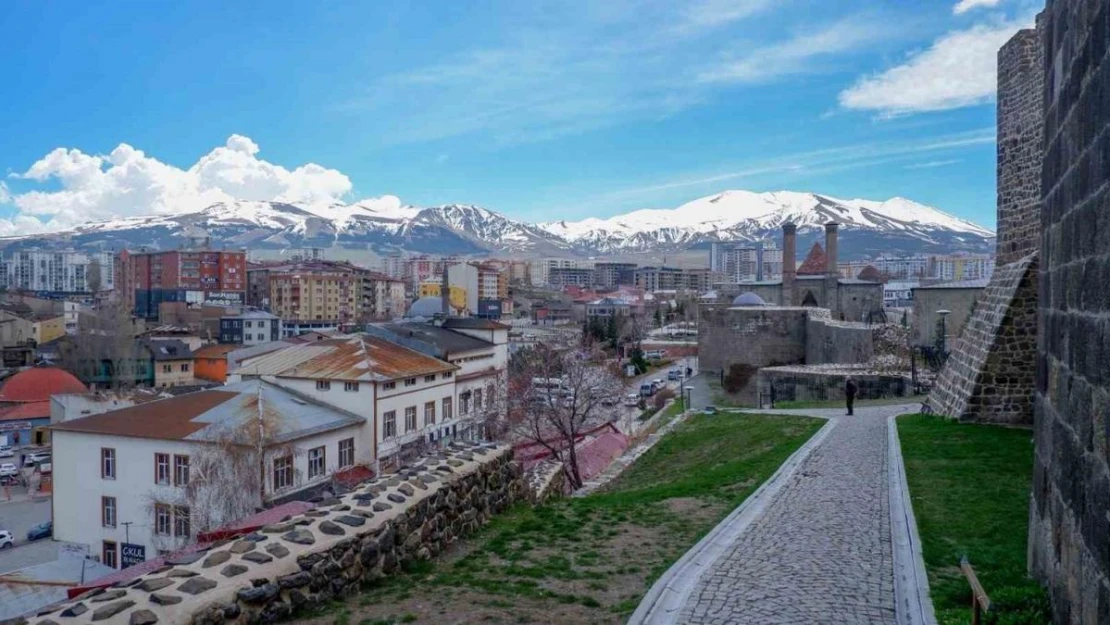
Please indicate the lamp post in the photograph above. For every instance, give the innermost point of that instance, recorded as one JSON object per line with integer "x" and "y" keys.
{"x": 688, "y": 396}
{"x": 944, "y": 329}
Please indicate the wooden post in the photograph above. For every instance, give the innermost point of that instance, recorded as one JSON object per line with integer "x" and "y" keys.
{"x": 980, "y": 602}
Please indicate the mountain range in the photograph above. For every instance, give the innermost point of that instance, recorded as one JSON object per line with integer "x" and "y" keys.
{"x": 385, "y": 225}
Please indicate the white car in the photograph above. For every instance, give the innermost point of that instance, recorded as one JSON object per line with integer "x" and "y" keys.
{"x": 632, "y": 399}
{"x": 6, "y": 452}
{"x": 6, "y": 540}
{"x": 8, "y": 469}
{"x": 35, "y": 458}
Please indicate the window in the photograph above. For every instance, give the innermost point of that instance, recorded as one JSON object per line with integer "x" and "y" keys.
{"x": 389, "y": 386}
{"x": 162, "y": 519}
{"x": 347, "y": 452}
{"x": 410, "y": 418}
{"x": 283, "y": 472}
{"x": 447, "y": 408}
{"x": 490, "y": 393}
{"x": 162, "y": 469}
{"x": 410, "y": 381}
{"x": 323, "y": 385}
{"x": 107, "y": 463}
{"x": 167, "y": 368}
{"x": 464, "y": 403}
{"x": 315, "y": 462}
{"x": 180, "y": 470}
{"x": 108, "y": 511}
{"x": 247, "y": 324}
{"x": 430, "y": 378}
{"x": 448, "y": 374}
{"x": 108, "y": 554}
{"x": 182, "y": 526}
{"x": 184, "y": 367}
{"x": 429, "y": 413}
{"x": 350, "y": 386}
{"x": 477, "y": 399}
{"x": 389, "y": 424}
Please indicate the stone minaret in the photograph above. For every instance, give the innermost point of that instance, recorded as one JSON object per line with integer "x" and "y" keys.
{"x": 832, "y": 271}
{"x": 789, "y": 264}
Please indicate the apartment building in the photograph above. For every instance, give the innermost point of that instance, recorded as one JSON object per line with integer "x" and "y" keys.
{"x": 613, "y": 275}
{"x": 60, "y": 271}
{"x": 197, "y": 277}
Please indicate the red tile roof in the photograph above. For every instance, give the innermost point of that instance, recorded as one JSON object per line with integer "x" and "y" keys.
{"x": 816, "y": 262}
{"x": 25, "y": 410}
{"x": 38, "y": 384}
{"x": 215, "y": 351}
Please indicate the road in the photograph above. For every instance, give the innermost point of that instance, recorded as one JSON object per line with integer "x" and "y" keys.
{"x": 627, "y": 417}
{"x": 17, "y": 517}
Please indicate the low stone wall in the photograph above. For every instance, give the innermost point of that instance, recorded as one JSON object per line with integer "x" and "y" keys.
{"x": 326, "y": 553}
{"x": 823, "y": 384}
{"x": 545, "y": 481}
{"x": 829, "y": 341}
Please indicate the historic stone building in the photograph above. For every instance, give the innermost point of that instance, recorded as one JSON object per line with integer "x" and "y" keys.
{"x": 1069, "y": 536}
{"x": 989, "y": 373}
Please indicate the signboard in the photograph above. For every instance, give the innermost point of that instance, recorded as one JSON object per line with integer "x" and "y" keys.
{"x": 8, "y": 426}
{"x": 224, "y": 298}
{"x": 130, "y": 555}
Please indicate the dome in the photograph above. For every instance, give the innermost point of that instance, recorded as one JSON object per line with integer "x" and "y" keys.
{"x": 39, "y": 383}
{"x": 748, "y": 299}
{"x": 428, "y": 306}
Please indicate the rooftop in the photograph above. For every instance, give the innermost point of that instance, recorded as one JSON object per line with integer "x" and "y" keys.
{"x": 473, "y": 323}
{"x": 210, "y": 415}
{"x": 172, "y": 349}
{"x": 443, "y": 339}
{"x": 816, "y": 262}
{"x": 37, "y": 384}
{"x": 958, "y": 284}
{"x": 31, "y": 588}
{"x": 362, "y": 357}
{"x": 215, "y": 351}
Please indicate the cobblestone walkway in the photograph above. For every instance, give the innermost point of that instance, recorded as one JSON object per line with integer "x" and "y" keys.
{"x": 821, "y": 551}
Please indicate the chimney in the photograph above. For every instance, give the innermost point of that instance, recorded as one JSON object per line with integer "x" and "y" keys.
{"x": 445, "y": 293}
{"x": 789, "y": 263}
{"x": 831, "y": 249}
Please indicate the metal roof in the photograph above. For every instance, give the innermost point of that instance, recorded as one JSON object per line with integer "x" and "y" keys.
{"x": 210, "y": 415}
{"x": 473, "y": 323}
{"x": 959, "y": 284}
{"x": 444, "y": 340}
{"x": 171, "y": 349}
{"x": 34, "y": 587}
{"x": 359, "y": 358}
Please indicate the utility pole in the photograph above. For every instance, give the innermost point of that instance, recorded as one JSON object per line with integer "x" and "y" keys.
{"x": 127, "y": 531}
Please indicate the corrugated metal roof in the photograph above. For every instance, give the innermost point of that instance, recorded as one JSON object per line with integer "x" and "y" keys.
{"x": 960, "y": 284}
{"x": 442, "y": 338}
{"x": 361, "y": 357}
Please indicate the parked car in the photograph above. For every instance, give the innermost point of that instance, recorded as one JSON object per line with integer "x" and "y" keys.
{"x": 8, "y": 469}
{"x": 42, "y": 530}
{"x": 659, "y": 384}
{"x": 674, "y": 374}
{"x": 35, "y": 458}
{"x": 647, "y": 389}
{"x": 632, "y": 399}
{"x": 6, "y": 540}
{"x": 709, "y": 410}
{"x": 6, "y": 452}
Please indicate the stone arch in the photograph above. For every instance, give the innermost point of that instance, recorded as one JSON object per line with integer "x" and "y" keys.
{"x": 809, "y": 300}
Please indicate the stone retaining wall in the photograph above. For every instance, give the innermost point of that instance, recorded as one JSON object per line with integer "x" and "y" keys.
{"x": 546, "y": 480}
{"x": 829, "y": 341}
{"x": 797, "y": 384}
{"x": 326, "y": 553}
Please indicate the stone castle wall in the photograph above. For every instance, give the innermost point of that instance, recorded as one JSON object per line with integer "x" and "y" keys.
{"x": 814, "y": 384}
{"x": 755, "y": 336}
{"x": 1069, "y": 534}
{"x": 1020, "y": 130}
{"x": 989, "y": 373}
{"x": 286, "y": 568}
{"x": 832, "y": 342}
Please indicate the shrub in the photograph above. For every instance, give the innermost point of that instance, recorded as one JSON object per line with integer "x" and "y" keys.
{"x": 662, "y": 396}
{"x": 738, "y": 377}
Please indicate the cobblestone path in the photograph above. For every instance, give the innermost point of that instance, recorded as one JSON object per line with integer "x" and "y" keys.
{"x": 822, "y": 551}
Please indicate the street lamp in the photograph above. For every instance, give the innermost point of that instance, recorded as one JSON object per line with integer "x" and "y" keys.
{"x": 944, "y": 329}
{"x": 687, "y": 397}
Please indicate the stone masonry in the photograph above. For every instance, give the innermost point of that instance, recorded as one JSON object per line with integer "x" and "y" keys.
{"x": 326, "y": 553}
{"x": 988, "y": 375}
{"x": 1069, "y": 533}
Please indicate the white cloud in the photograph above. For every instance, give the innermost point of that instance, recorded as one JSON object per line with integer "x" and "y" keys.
{"x": 795, "y": 55}
{"x": 127, "y": 182}
{"x": 963, "y": 6}
{"x": 958, "y": 69}
{"x": 932, "y": 164}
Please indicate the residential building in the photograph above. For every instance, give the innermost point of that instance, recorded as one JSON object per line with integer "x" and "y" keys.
{"x": 385, "y": 296}
{"x": 61, "y": 271}
{"x": 172, "y": 362}
{"x": 551, "y": 312}
{"x": 960, "y": 267}
{"x": 561, "y": 277}
{"x": 329, "y": 291}
{"x": 210, "y": 362}
{"x": 741, "y": 261}
{"x": 539, "y": 270}
{"x": 613, "y": 275}
{"x": 652, "y": 279}
{"x": 20, "y": 325}
{"x": 127, "y": 477}
{"x": 196, "y": 276}
{"x": 252, "y": 327}
{"x": 25, "y": 403}
{"x": 899, "y": 293}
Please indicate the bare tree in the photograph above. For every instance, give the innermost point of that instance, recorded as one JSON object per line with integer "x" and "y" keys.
{"x": 94, "y": 276}
{"x": 553, "y": 398}
{"x": 105, "y": 349}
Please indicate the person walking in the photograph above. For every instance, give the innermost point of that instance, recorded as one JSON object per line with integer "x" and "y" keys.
{"x": 850, "y": 393}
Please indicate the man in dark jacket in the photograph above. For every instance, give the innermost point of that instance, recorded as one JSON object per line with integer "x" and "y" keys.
{"x": 850, "y": 393}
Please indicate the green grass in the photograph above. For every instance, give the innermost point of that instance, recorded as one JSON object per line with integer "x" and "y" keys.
{"x": 599, "y": 554}
{"x": 839, "y": 403}
{"x": 969, "y": 485}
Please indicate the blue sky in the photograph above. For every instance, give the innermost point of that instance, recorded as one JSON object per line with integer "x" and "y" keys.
{"x": 539, "y": 110}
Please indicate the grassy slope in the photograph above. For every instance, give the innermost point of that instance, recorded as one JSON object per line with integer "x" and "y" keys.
{"x": 970, "y": 490}
{"x": 591, "y": 559}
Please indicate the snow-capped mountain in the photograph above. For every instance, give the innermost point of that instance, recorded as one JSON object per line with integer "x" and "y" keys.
{"x": 743, "y": 215}
{"x": 384, "y": 225}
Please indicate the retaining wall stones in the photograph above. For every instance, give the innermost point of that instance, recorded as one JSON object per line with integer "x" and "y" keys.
{"x": 824, "y": 384}
{"x": 328, "y": 552}
{"x": 1069, "y": 533}
{"x": 547, "y": 480}
{"x": 829, "y": 341}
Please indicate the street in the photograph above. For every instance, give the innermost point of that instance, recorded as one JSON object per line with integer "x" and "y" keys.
{"x": 627, "y": 417}
{"x": 17, "y": 517}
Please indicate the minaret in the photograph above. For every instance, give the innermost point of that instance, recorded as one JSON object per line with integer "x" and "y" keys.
{"x": 789, "y": 264}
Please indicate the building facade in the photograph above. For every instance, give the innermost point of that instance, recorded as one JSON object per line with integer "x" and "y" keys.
{"x": 252, "y": 327}
{"x": 63, "y": 271}
{"x": 198, "y": 277}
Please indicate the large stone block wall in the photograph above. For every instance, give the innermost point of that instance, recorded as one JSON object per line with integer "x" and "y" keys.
{"x": 1069, "y": 534}
{"x": 989, "y": 373}
{"x": 961, "y": 302}
{"x": 798, "y": 384}
{"x": 829, "y": 341}
{"x": 755, "y": 336}
{"x": 1020, "y": 129}
{"x": 286, "y": 568}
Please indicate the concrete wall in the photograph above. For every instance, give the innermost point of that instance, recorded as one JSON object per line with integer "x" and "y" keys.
{"x": 926, "y": 303}
{"x": 288, "y": 568}
{"x": 830, "y": 341}
{"x": 1069, "y": 534}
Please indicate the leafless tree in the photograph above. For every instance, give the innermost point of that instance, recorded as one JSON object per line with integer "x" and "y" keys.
{"x": 228, "y": 471}
{"x": 554, "y": 414}
{"x": 105, "y": 348}
{"x": 94, "y": 276}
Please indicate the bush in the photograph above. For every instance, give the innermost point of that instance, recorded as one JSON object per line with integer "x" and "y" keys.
{"x": 662, "y": 396}
{"x": 738, "y": 377}
{"x": 1019, "y": 605}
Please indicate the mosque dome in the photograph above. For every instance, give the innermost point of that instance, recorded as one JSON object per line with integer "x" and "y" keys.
{"x": 748, "y": 299}
{"x": 428, "y": 306}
